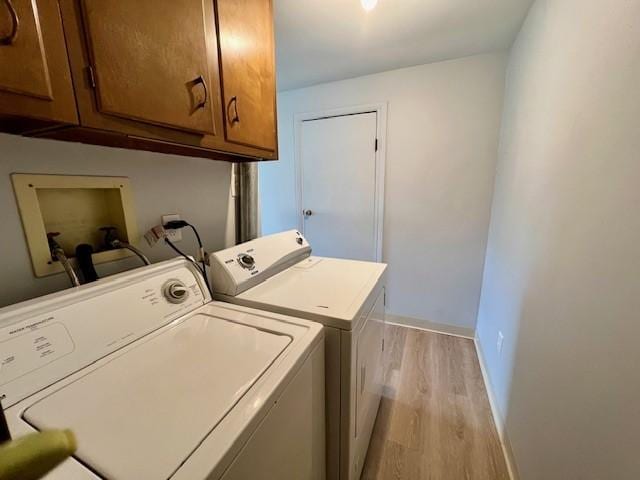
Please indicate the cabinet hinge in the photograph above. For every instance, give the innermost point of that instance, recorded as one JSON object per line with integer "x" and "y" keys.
{"x": 383, "y": 344}
{"x": 376, "y": 145}
{"x": 91, "y": 76}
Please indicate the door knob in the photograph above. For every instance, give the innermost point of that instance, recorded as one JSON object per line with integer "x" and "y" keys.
{"x": 307, "y": 213}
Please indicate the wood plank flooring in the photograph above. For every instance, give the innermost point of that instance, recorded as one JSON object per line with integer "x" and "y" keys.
{"x": 434, "y": 421}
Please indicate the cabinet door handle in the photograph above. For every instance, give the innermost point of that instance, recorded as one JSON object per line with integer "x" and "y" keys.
{"x": 15, "y": 25}
{"x": 236, "y": 117}
{"x": 201, "y": 80}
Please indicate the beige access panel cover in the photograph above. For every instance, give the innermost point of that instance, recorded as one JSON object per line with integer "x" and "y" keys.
{"x": 75, "y": 206}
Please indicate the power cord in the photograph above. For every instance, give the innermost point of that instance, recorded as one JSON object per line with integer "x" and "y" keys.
{"x": 178, "y": 224}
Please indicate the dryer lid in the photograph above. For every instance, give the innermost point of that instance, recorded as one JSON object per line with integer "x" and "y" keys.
{"x": 328, "y": 290}
{"x": 142, "y": 414}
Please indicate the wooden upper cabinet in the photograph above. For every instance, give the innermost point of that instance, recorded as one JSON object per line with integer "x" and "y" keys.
{"x": 35, "y": 81}
{"x": 22, "y": 47}
{"x": 149, "y": 62}
{"x": 246, "y": 43}
{"x": 193, "y": 77}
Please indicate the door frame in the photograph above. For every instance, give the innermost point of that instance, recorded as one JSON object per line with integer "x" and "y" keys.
{"x": 380, "y": 159}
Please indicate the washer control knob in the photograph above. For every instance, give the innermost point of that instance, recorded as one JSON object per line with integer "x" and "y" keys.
{"x": 175, "y": 291}
{"x": 246, "y": 261}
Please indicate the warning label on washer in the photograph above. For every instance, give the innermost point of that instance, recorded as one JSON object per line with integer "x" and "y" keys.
{"x": 31, "y": 348}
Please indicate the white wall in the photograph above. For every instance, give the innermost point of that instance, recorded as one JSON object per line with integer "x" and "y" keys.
{"x": 562, "y": 275}
{"x": 198, "y": 189}
{"x": 443, "y": 125}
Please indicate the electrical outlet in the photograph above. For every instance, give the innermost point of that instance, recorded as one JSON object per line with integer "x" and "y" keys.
{"x": 173, "y": 235}
{"x": 500, "y": 342}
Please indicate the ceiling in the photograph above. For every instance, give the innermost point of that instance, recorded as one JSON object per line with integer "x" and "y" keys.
{"x": 324, "y": 40}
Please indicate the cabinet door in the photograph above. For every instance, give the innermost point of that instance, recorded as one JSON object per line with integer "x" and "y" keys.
{"x": 34, "y": 71}
{"x": 245, "y": 29}
{"x": 149, "y": 61}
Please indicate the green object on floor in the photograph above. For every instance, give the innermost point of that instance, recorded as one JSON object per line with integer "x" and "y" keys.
{"x": 34, "y": 455}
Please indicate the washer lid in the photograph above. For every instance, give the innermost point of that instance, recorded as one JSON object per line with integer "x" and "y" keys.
{"x": 143, "y": 413}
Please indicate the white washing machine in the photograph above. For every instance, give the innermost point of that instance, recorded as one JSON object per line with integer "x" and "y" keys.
{"x": 277, "y": 273}
{"x": 158, "y": 382}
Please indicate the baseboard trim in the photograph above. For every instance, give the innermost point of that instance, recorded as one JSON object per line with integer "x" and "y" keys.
{"x": 497, "y": 417}
{"x": 430, "y": 326}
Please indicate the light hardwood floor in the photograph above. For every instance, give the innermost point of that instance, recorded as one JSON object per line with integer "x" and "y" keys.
{"x": 434, "y": 421}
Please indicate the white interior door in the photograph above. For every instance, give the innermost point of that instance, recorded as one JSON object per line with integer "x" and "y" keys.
{"x": 338, "y": 191}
